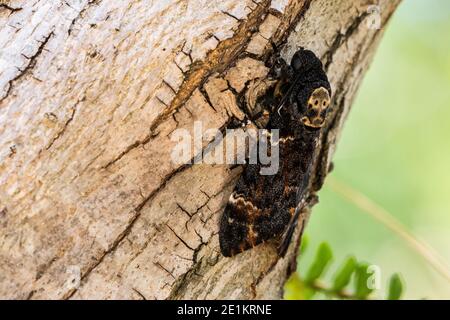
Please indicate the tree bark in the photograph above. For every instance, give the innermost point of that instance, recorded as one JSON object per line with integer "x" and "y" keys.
{"x": 90, "y": 204}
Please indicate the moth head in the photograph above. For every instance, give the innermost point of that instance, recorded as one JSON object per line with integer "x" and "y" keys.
{"x": 304, "y": 60}
{"x": 316, "y": 108}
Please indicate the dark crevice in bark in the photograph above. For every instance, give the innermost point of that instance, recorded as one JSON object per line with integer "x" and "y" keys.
{"x": 127, "y": 229}
{"x": 131, "y": 147}
{"x": 180, "y": 238}
{"x": 139, "y": 293}
{"x": 133, "y": 220}
{"x": 217, "y": 60}
{"x": 231, "y": 16}
{"x": 31, "y": 64}
{"x": 180, "y": 285}
{"x": 9, "y": 8}
{"x": 66, "y": 124}
{"x": 197, "y": 264}
{"x": 159, "y": 265}
{"x": 81, "y": 14}
{"x": 281, "y": 36}
{"x": 43, "y": 268}
{"x": 341, "y": 38}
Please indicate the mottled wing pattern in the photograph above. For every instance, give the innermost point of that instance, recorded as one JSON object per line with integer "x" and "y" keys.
{"x": 262, "y": 206}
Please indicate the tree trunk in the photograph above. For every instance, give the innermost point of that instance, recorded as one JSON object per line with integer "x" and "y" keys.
{"x": 91, "y": 206}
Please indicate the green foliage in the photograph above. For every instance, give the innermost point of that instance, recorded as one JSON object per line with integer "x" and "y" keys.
{"x": 323, "y": 258}
{"x": 350, "y": 272}
{"x": 344, "y": 274}
{"x": 395, "y": 287}
{"x": 362, "y": 274}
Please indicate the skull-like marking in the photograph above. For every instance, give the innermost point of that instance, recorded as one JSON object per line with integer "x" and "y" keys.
{"x": 316, "y": 110}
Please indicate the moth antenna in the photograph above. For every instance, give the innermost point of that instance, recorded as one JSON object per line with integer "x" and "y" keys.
{"x": 279, "y": 109}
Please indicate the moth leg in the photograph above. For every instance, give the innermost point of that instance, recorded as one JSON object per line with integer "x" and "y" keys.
{"x": 279, "y": 68}
{"x": 283, "y": 73}
{"x": 278, "y": 92}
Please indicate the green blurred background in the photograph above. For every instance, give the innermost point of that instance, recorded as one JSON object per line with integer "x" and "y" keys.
{"x": 395, "y": 149}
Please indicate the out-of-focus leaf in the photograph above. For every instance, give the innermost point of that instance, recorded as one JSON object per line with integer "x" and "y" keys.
{"x": 395, "y": 287}
{"x": 301, "y": 251}
{"x": 344, "y": 274}
{"x": 362, "y": 290}
{"x": 295, "y": 289}
{"x": 304, "y": 244}
{"x": 321, "y": 261}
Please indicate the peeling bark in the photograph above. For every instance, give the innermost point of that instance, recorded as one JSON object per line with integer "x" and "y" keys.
{"x": 91, "y": 206}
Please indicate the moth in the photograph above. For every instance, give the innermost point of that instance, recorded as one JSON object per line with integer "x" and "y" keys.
{"x": 263, "y": 207}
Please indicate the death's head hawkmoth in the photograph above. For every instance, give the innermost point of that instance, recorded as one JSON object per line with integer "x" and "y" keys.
{"x": 263, "y": 207}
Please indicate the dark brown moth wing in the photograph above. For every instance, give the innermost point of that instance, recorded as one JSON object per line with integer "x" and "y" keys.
{"x": 262, "y": 206}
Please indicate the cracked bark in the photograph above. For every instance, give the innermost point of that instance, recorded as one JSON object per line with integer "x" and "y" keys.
{"x": 89, "y": 102}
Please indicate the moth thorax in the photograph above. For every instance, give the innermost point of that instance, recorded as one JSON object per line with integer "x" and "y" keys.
{"x": 316, "y": 108}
